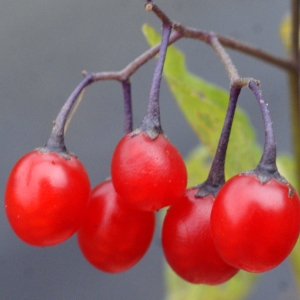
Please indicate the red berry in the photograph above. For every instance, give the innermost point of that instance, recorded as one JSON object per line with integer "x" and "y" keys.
{"x": 187, "y": 241}
{"x": 148, "y": 174}
{"x": 255, "y": 226}
{"x": 114, "y": 237}
{"x": 46, "y": 197}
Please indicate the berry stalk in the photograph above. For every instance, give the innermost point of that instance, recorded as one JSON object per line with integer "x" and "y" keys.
{"x": 151, "y": 123}
{"x": 266, "y": 169}
{"x": 127, "y": 106}
{"x": 216, "y": 176}
{"x": 56, "y": 142}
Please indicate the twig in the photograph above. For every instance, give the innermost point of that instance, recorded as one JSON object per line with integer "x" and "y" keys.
{"x": 188, "y": 32}
{"x": 132, "y": 67}
{"x": 231, "y": 69}
{"x": 227, "y": 42}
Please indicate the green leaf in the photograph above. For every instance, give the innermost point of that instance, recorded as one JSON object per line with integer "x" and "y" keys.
{"x": 204, "y": 107}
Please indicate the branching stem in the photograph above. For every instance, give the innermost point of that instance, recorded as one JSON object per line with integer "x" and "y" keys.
{"x": 218, "y": 42}
{"x": 181, "y": 31}
{"x": 227, "y": 42}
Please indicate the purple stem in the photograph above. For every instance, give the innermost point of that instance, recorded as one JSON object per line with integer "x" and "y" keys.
{"x": 127, "y": 106}
{"x": 56, "y": 141}
{"x": 216, "y": 177}
{"x": 268, "y": 159}
{"x": 151, "y": 121}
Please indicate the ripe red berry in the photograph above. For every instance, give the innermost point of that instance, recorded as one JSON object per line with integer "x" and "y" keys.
{"x": 114, "y": 237}
{"x": 187, "y": 241}
{"x": 255, "y": 225}
{"x": 148, "y": 174}
{"x": 46, "y": 197}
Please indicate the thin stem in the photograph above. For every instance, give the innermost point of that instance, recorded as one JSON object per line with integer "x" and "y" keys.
{"x": 127, "y": 106}
{"x": 151, "y": 123}
{"x": 216, "y": 177}
{"x": 56, "y": 139}
{"x": 245, "y": 48}
{"x": 133, "y": 66}
{"x": 223, "y": 55}
{"x": 237, "y": 45}
{"x": 72, "y": 113}
{"x": 150, "y": 6}
{"x": 268, "y": 159}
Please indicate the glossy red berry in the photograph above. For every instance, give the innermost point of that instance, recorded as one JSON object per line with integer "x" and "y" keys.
{"x": 114, "y": 237}
{"x": 255, "y": 225}
{"x": 187, "y": 241}
{"x": 46, "y": 197}
{"x": 148, "y": 174}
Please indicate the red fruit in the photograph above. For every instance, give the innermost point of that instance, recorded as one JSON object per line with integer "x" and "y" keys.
{"x": 148, "y": 174}
{"x": 46, "y": 197}
{"x": 187, "y": 241}
{"x": 114, "y": 237}
{"x": 255, "y": 226}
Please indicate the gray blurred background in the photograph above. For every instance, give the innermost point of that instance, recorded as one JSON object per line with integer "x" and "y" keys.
{"x": 44, "y": 46}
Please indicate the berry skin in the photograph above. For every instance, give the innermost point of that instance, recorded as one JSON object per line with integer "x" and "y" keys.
{"x": 114, "y": 237}
{"x": 255, "y": 226}
{"x": 46, "y": 197}
{"x": 148, "y": 174}
{"x": 187, "y": 241}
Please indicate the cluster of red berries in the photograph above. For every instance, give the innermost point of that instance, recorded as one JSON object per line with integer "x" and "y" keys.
{"x": 210, "y": 231}
{"x": 248, "y": 225}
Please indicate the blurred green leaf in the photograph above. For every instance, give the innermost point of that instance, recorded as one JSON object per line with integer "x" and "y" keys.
{"x": 236, "y": 288}
{"x": 286, "y": 166}
{"x": 204, "y": 106}
{"x": 295, "y": 264}
{"x": 285, "y": 30}
{"x": 198, "y": 164}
